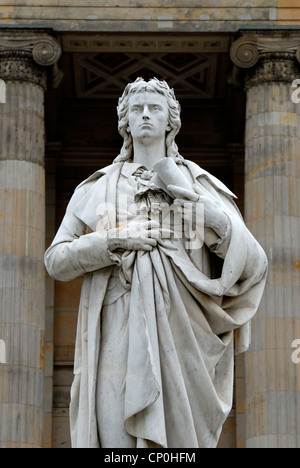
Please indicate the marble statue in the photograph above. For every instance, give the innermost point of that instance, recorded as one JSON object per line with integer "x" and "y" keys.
{"x": 171, "y": 280}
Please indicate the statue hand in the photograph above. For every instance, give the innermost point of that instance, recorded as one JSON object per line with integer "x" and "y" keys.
{"x": 134, "y": 236}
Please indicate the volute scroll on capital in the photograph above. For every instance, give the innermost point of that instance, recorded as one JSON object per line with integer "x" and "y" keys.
{"x": 19, "y": 49}
{"x": 246, "y": 51}
{"x": 265, "y": 59}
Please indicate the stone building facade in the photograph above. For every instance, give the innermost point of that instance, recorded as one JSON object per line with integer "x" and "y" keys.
{"x": 63, "y": 64}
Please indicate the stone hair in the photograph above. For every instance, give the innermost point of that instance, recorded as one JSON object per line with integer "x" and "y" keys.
{"x": 154, "y": 86}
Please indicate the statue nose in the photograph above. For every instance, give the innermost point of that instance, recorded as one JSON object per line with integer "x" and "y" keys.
{"x": 145, "y": 114}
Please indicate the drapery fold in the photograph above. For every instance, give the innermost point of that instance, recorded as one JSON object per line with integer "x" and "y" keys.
{"x": 181, "y": 323}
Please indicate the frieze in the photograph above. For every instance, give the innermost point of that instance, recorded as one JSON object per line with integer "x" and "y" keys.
{"x": 90, "y": 43}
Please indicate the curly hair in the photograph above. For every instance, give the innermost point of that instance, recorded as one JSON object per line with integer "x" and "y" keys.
{"x": 155, "y": 86}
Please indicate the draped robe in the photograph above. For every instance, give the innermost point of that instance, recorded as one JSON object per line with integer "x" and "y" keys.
{"x": 183, "y": 321}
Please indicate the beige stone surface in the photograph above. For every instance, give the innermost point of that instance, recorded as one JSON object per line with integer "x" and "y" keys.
{"x": 130, "y": 16}
{"x": 22, "y": 234}
{"x": 273, "y": 214}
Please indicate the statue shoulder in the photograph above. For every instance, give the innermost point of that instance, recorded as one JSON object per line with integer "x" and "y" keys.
{"x": 84, "y": 188}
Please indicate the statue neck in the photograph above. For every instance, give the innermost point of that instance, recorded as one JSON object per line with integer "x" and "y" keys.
{"x": 148, "y": 154}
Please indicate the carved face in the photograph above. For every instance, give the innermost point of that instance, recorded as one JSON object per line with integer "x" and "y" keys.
{"x": 148, "y": 116}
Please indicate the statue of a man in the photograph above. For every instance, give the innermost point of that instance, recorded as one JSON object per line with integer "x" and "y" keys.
{"x": 159, "y": 317}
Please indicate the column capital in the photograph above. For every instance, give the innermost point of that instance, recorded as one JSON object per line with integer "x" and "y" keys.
{"x": 26, "y": 55}
{"x": 267, "y": 57}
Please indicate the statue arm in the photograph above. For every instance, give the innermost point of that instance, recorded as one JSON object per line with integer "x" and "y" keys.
{"x": 218, "y": 243}
{"x": 73, "y": 252}
{"x": 217, "y": 224}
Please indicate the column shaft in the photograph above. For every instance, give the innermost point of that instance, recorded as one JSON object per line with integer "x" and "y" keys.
{"x": 22, "y": 234}
{"x": 272, "y": 211}
{"x": 24, "y": 56}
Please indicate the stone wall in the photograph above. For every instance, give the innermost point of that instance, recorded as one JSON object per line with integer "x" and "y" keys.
{"x": 288, "y": 12}
{"x": 149, "y": 15}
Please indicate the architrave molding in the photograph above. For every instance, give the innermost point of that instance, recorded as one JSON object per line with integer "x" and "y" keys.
{"x": 161, "y": 43}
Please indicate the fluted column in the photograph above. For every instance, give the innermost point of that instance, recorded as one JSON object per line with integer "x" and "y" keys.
{"x": 25, "y": 61}
{"x": 272, "y": 212}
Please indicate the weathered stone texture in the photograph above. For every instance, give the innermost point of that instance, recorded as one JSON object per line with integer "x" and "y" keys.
{"x": 273, "y": 215}
{"x": 22, "y": 133}
{"x": 22, "y": 237}
{"x": 150, "y": 15}
{"x": 22, "y": 302}
{"x": 134, "y": 15}
{"x": 288, "y": 12}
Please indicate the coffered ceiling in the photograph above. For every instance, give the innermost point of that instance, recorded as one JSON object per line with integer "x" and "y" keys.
{"x": 103, "y": 65}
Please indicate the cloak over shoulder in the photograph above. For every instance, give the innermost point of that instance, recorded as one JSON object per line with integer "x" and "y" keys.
{"x": 195, "y": 360}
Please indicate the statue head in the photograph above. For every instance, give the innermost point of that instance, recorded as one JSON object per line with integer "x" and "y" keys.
{"x": 154, "y": 86}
